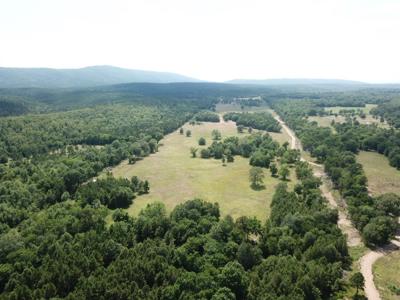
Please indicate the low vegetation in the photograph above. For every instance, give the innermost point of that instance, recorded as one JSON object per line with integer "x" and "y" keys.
{"x": 382, "y": 178}
{"x": 386, "y": 276}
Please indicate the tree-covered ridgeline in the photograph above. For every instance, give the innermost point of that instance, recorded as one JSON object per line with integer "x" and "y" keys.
{"x": 375, "y": 218}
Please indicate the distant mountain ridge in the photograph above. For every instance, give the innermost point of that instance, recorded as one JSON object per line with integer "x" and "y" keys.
{"x": 297, "y": 81}
{"x": 83, "y": 77}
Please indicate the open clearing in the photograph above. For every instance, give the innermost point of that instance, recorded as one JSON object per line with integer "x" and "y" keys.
{"x": 386, "y": 274}
{"x": 382, "y": 178}
{"x": 325, "y": 121}
{"x": 175, "y": 177}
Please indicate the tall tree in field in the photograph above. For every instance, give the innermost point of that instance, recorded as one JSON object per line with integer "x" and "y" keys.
{"x": 273, "y": 169}
{"x": 284, "y": 172}
{"x": 256, "y": 176}
{"x": 216, "y": 134}
{"x": 193, "y": 151}
{"x": 202, "y": 141}
{"x": 188, "y": 133}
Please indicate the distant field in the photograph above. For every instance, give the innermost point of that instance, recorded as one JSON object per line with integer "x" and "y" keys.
{"x": 176, "y": 177}
{"x": 325, "y": 121}
{"x": 220, "y": 107}
{"x": 387, "y": 273}
{"x": 382, "y": 178}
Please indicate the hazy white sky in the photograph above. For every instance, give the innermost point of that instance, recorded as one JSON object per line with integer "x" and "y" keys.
{"x": 208, "y": 39}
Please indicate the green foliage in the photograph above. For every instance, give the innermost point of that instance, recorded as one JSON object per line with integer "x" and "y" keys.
{"x": 111, "y": 192}
{"x": 379, "y": 230}
{"x": 193, "y": 151}
{"x": 284, "y": 172}
{"x": 256, "y": 176}
{"x": 206, "y": 116}
{"x": 202, "y": 141}
{"x": 257, "y": 120}
{"x": 357, "y": 280}
{"x": 216, "y": 135}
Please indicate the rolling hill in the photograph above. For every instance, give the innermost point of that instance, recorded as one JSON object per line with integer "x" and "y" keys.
{"x": 84, "y": 77}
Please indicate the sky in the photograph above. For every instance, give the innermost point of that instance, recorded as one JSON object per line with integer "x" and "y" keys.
{"x": 213, "y": 40}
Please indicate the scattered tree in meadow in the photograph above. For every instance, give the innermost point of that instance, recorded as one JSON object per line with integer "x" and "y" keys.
{"x": 274, "y": 170}
{"x": 188, "y": 133}
{"x": 216, "y": 135}
{"x": 256, "y": 176}
{"x": 240, "y": 128}
{"x": 229, "y": 156}
{"x": 205, "y": 153}
{"x": 250, "y": 130}
{"x": 181, "y": 130}
{"x": 284, "y": 172}
{"x": 193, "y": 151}
{"x": 202, "y": 141}
{"x": 285, "y": 145}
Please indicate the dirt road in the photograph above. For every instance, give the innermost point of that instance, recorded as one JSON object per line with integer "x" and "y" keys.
{"x": 367, "y": 261}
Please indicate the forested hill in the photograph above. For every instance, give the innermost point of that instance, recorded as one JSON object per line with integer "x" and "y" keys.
{"x": 84, "y": 77}
{"x": 38, "y": 100}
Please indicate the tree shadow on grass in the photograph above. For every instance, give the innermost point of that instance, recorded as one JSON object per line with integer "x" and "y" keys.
{"x": 258, "y": 187}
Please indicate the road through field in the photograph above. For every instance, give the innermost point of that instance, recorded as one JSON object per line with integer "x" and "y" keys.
{"x": 344, "y": 223}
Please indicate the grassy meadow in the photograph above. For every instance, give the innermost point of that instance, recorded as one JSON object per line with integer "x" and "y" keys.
{"x": 387, "y": 276}
{"x": 175, "y": 176}
{"x": 382, "y": 178}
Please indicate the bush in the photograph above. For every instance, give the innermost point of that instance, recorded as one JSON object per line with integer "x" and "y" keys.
{"x": 378, "y": 231}
{"x": 205, "y": 153}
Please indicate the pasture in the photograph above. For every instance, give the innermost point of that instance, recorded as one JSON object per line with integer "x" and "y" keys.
{"x": 175, "y": 176}
{"x": 386, "y": 276}
{"x": 382, "y": 178}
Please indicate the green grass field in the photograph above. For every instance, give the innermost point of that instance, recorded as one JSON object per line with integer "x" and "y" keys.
{"x": 382, "y": 178}
{"x": 387, "y": 274}
{"x": 176, "y": 177}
